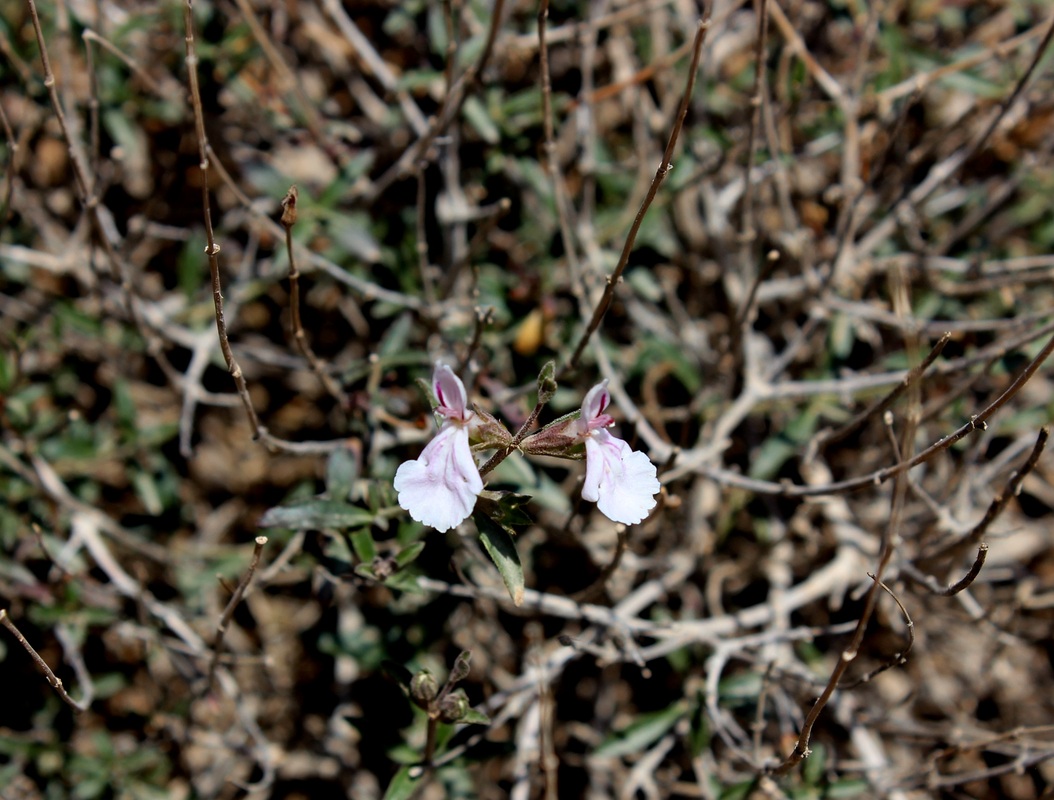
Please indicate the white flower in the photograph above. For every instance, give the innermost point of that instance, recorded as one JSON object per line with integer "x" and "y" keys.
{"x": 440, "y": 487}
{"x": 621, "y": 481}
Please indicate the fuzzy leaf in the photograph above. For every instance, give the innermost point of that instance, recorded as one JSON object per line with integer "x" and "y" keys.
{"x": 315, "y": 514}
{"x": 341, "y": 471}
{"x": 409, "y": 554}
{"x": 474, "y": 717}
{"x": 642, "y": 733}
{"x": 502, "y": 551}
{"x": 402, "y": 786}
{"x": 362, "y": 544}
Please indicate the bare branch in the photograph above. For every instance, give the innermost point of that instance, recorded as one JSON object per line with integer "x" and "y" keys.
{"x": 53, "y": 679}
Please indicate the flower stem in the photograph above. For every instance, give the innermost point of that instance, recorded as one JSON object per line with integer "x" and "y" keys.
{"x": 521, "y": 434}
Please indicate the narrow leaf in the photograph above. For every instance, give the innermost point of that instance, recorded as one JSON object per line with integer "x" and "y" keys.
{"x": 316, "y": 514}
{"x": 402, "y": 786}
{"x": 409, "y": 554}
{"x": 642, "y": 733}
{"x": 362, "y": 544}
{"x": 474, "y": 717}
{"x": 502, "y": 551}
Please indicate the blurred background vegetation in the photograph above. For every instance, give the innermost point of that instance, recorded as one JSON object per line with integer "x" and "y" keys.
{"x": 853, "y": 181}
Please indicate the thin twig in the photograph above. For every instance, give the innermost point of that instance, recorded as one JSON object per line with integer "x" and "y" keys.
{"x": 289, "y": 213}
{"x": 977, "y": 422}
{"x": 969, "y": 577}
{"x": 212, "y": 250}
{"x": 660, "y": 175}
{"x": 91, "y": 37}
{"x": 919, "y": 82}
{"x": 451, "y": 106}
{"x": 53, "y": 679}
{"x": 228, "y": 612}
{"x": 890, "y": 536}
{"x": 999, "y": 503}
{"x": 421, "y": 245}
{"x": 1019, "y": 87}
{"x": 375, "y": 64}
{"x": 484, "y": 317}
{"x": 879, "y": 407}
{"x": 898, "y": 659}
{"x": 520, "y": 435}
{"x": 551, "y": 164}
{"x": 312, "y": 118}
{"x": 747, "y": 234}
{"x": 11, "y": 168}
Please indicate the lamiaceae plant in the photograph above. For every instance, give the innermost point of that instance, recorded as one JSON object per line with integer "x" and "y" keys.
{"x": 440, "y": 487}
{"x": 620, "y": 480}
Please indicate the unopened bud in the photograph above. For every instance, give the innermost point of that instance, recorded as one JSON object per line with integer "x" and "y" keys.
{"x": 561, "y": 438}
{"x": 289, "y": 207}
{"x": 423, "y": 688}
{"x": 547, "y": 382}
{"x": 486, "y": 432}
{"x": 453, "y": 707}
{"x": 461, "y": 667}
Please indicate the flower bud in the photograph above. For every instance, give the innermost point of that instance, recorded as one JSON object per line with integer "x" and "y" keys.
{"x": 423, "y": 688}
{"x": 486, "y": 432}
{"x": 560, "y": 438}
{"x": 547, "y": 382}
{"x": 453, "y": 707}
{"x": 461, "y": 667}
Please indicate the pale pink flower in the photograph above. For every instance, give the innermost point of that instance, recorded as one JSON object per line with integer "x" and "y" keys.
{"x": 440, "y": 487}
{"x": 621, "y": 481}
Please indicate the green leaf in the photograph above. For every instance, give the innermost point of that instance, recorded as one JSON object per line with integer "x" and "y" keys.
{"x": 396, "y": 338}
{"x": 547, "y": 385}
{"x": 404, "y": 580}
{"x": 147, "y": 490}
{"x": 505, "y": 507}
{"x": 479, "y": 118}
{"x": 474, "y": 717}
{"x": 699, "y": 729}
{"x": 771, "y": 457}
{"x": 846, "y": 789}
{"x": 502, "y": 551}
{"x": 813, "y": 768}
{"x": 316, "y": 514}
{"x": 403, "y": 785}
{"x": 409, "y": 554}
{"x": 738, "y": 791}
{"x": 642, "y": 733}
{"x": 362, "y": 544}
{"x": 341, "y": 471}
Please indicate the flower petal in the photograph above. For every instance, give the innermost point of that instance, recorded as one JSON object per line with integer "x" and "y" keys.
{"x": 619, "y": 479}
{"x": 595, "y": 401}
{"x": 450, "y": 392}
{"x": 440, "y": 488}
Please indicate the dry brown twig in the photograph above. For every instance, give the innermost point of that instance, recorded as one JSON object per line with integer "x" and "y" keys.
{"x": 451, "y": 106}
{"x": 212, "y": 251}
{"x": 53, "y": 679}
{"x": 289, "y": 214}
{"x": 942, "y": 551}
{"x": 660, "y": 175}
{"x": 890, "y": 537}
{"x": 915, "y": 373}
{"x": 228, "y": 612}
{"x": 11, "y": 167}
{"x": 551, "y": 165}
{"x": 978, "y": 421}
